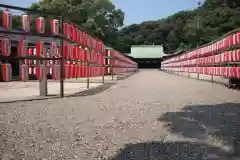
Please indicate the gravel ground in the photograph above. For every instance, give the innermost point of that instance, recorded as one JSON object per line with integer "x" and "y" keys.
{"x": 150, "y": 115}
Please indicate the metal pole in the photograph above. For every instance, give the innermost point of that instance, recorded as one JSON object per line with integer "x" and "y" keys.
{"x": 88, "y": 69}
{"x": 103, "y": 72}
{"x": 88, "y": 73}
{"x": 197, "y": 55}
{"x": 62, "y": 59}
{"x": 104, "y": 67}
{"x": 212, "y": 73}
{"x": 198, "y": 5}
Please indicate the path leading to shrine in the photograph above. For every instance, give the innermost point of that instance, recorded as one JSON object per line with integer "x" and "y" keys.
{"x": 151, "y": 114}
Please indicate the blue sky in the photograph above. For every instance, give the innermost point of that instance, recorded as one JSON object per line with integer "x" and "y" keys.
{"x": 137, "y": 10}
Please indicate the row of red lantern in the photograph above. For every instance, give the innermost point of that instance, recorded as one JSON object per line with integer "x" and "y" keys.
{"x": 223, "y": 44}
{"x": 70, "y": 31}
{"x": 75, "y": 34}
{"x": 77, "y": 71}
{"x": 24, "y": 72}
{"x": 70, "y": 71}
{"x": 23, "y": 48}
{"x": 95, "y": 59}
{"x": 78, "y": 53}
{"x": 119, "y": 63}
{"x": 70, "y": 50}
{"x": 118, "y": 56}
{"x": 25, "y": 23}
{"x": 232, "y": 71}
{"x": 226, "y": 57}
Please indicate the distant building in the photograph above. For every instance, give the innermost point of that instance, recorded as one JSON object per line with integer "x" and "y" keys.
{"x": 147, "y": 56}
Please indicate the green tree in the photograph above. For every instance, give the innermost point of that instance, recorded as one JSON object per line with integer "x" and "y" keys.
{"x": 185, "y": 29}
{"x": 98, "y": 17}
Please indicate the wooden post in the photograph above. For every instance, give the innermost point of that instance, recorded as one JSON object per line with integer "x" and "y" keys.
{"x": 62, "y": 59}
{"x": 43, "y": 87}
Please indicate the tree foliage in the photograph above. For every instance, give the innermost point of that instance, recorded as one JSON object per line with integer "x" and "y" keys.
{"x": 98, "y": 17}
{"x": 185, "y": 29}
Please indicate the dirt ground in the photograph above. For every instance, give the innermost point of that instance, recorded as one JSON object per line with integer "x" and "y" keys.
{"x": 151, "y": 115}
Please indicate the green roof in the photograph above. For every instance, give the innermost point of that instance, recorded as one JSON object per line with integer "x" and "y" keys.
{"x": 147, "y": 51}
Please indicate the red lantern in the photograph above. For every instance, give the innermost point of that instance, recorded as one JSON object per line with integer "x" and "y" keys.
{"x": 236, "y": 38}
{"x": 235, "y": 72}
{"x": 238, "y": 72}
{"x": 73, "y": 70}
{"x": 56, "y": 72}
{"x": 75, "y": 52}
{"x": 80, "y": 56}
{"x": 238, "y": 55}
{"x": 29, "y": 53}
{"x": 225, "y": 71}
{"x": 84, "y": 38}
{"x": 102, "y": 47}
{"x": 65, "y": 49}
{"x": 80, "y": 37}
{"x": 72, "y": 32}
{"x": 7, "y": 19}
{"x": 85, "y": 55}
{"x": 53, "y": 48}
{"x": 87, "y": 40}
{"x": 84, "y": 73}
{"x": 232, "y": 72}
{"x": 6, "y": 46}
{"x": 226, "y": 57}
{"x": 40, "y": 49}
{"x": 24, "y": 74}
{"x": 40, "y": 25}
{"x": 55, "y": 26}
{"x": 97, "y": 45}
{"x": 228, "y": 41}
{"x": 22, "y": 48}
{"x": 76, "y": 70}
{"x": 7, "y": 72}
{"x": 70, "y": 50}
{"x": 69, "y": 71}
{"x": 214, "y": 71}
{"x": 66, "y": 30}
{"x": 92, "y": 42}
{"x": 40, "y": 71}
{"x": 65, "y": 71}
{"x": 25, "y": 22}
{"x": 76, "y": 38}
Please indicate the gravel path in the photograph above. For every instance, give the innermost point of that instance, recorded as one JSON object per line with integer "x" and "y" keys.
{"x": 153, "y": 114}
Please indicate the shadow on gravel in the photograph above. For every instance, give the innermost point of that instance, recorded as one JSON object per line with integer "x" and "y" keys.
{"x": 219, "y": 121}
{"x": 170, "y": 151}
{"x": 92, "y": 91}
